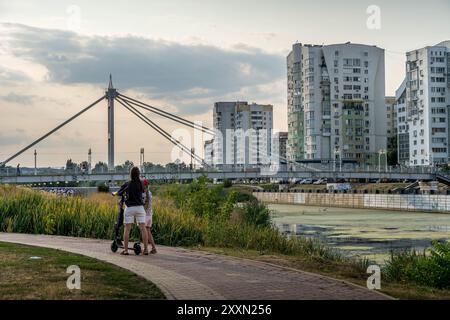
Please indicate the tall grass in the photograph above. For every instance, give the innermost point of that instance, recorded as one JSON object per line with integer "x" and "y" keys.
{"x": 27, "y": 211}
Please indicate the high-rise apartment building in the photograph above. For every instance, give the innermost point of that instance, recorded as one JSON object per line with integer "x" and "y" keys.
{"x": 391, "y": 115}
{"x": 243, "y": 134}
{"x": 402, "y": 125}
{"x": 336, "y": 103}
{"x": 279, "y": 146}
{"x": 391, "y": 132}
{"x": 428, "y": 104}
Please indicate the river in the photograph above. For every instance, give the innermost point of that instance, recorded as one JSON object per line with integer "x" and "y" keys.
{"x": 372, "y": 234}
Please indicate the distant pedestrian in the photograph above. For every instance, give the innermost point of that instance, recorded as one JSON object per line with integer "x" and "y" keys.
{"x": 18, "y": 169}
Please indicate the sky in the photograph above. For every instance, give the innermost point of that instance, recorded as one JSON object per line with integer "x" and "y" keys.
{"x": 179, "y": 55}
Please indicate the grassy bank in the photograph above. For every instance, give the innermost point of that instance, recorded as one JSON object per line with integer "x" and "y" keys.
{"x": 45, "y": 278}
{"x": 211, "y": 218}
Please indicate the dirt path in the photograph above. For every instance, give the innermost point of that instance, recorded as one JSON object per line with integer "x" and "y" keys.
{"x": 187, "y": 274}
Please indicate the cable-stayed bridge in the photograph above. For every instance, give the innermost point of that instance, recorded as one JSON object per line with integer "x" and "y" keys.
{"x": 284, "y": 172}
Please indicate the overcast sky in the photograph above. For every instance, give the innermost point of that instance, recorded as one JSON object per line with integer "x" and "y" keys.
{"x": 180, "y": 55}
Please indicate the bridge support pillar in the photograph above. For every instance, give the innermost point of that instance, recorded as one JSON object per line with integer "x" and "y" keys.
{"x": 111, "y": 94}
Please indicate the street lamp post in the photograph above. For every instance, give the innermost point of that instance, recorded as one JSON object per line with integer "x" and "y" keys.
{"x": 141, "y": 159}
{"x": 385, "y": 158}
{"x": 89, "y": 161}
{"x": 334, "y": 161}
{"x": 35, "y": 162}
{"x": 337, "y": 152}
{"x": 382, "y": 151}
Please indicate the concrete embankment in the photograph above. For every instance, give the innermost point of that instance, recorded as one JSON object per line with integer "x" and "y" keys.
{"x": 404, "y": 202}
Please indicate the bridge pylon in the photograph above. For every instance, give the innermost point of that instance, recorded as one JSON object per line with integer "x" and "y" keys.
{"x": 110, "y": 95}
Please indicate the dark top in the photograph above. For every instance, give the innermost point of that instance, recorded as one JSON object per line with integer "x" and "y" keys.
{"x": 133, "y": 191}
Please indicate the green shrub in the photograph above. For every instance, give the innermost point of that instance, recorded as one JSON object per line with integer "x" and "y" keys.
{"x": 427, "y": 270}
{"x": 103, "y": 188}
{"x": 227, "y": 183}
{"x": 245, "y": 197}
{"x": 256, "y": 213}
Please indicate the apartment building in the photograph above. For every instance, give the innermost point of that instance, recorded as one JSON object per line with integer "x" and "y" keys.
{"x": 279, "y": 146}
{"x": 336, "y": 103}
{"x": 391, "y": 132}
{"x": 402, "y": 125}
{"x": 391, "y": 115}
{"x": 243, "y": 134}
{"x": 428, "y": 104}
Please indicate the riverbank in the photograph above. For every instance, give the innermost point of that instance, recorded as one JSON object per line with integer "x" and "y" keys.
{"x": 401, "y": 202}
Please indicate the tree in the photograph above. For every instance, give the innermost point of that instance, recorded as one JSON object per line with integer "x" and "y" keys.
{"x": 392, "y": 155}
{"x": 100, "y": 167}
{"x": 70, "y": 165}
{"x": 84, "y": 166}
{"x": 125, "y": 167}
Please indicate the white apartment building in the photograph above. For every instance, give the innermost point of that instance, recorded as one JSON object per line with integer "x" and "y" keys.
{"x": 243, "y": 134}
{"x": 428, "y": 104}
{"x": 336, "y": 103}
{"x": 391, "y": 115}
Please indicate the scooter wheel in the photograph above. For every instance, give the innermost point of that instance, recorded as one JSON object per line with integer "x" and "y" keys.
{"x": 137, "y": 249}
{"x": 114, "y": 246}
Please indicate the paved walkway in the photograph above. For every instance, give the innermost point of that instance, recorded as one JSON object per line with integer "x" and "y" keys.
{"x": 187, "y": 274}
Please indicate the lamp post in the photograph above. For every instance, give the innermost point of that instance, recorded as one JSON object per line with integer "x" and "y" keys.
{"x": 337, "y": 152}
{"x": 89, "y": 161}
{"x": 141, "y": 159}
{"x": 35, "y": 162}
{"x": 334, "y": 161}
{"x": 382, "y": 151}
{"x": 430, "y": 160}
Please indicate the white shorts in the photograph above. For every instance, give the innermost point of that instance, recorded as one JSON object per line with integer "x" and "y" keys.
{"x": 137, "y": 212}
{"x": 149, "y": 220}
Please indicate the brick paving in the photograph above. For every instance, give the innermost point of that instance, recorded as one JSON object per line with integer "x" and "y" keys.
{"x": 193, "y": 275}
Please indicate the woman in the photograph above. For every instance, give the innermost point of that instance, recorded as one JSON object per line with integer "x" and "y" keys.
{"x": 149, "y": 215}
{"x": 134, "y": 208}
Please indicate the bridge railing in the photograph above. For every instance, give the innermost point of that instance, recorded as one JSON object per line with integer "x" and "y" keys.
{"x": 314, "y": 169}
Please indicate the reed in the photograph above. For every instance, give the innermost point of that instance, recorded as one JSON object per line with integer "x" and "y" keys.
{"x": 27, "y": 211}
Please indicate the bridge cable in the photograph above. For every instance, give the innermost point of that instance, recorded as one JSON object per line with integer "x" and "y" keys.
{"x": 167, "y": 115}
{"x": 161, "y": 131}
{"x": 188, "y": 123}
{"x": 52, "y": 131}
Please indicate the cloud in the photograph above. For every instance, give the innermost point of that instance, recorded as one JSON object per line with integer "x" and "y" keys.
{"x": 18, "y": 98}
{"x": 137, "y": 62}
{"x": 13, "y": 138}
{"x": 9, "y": 75}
